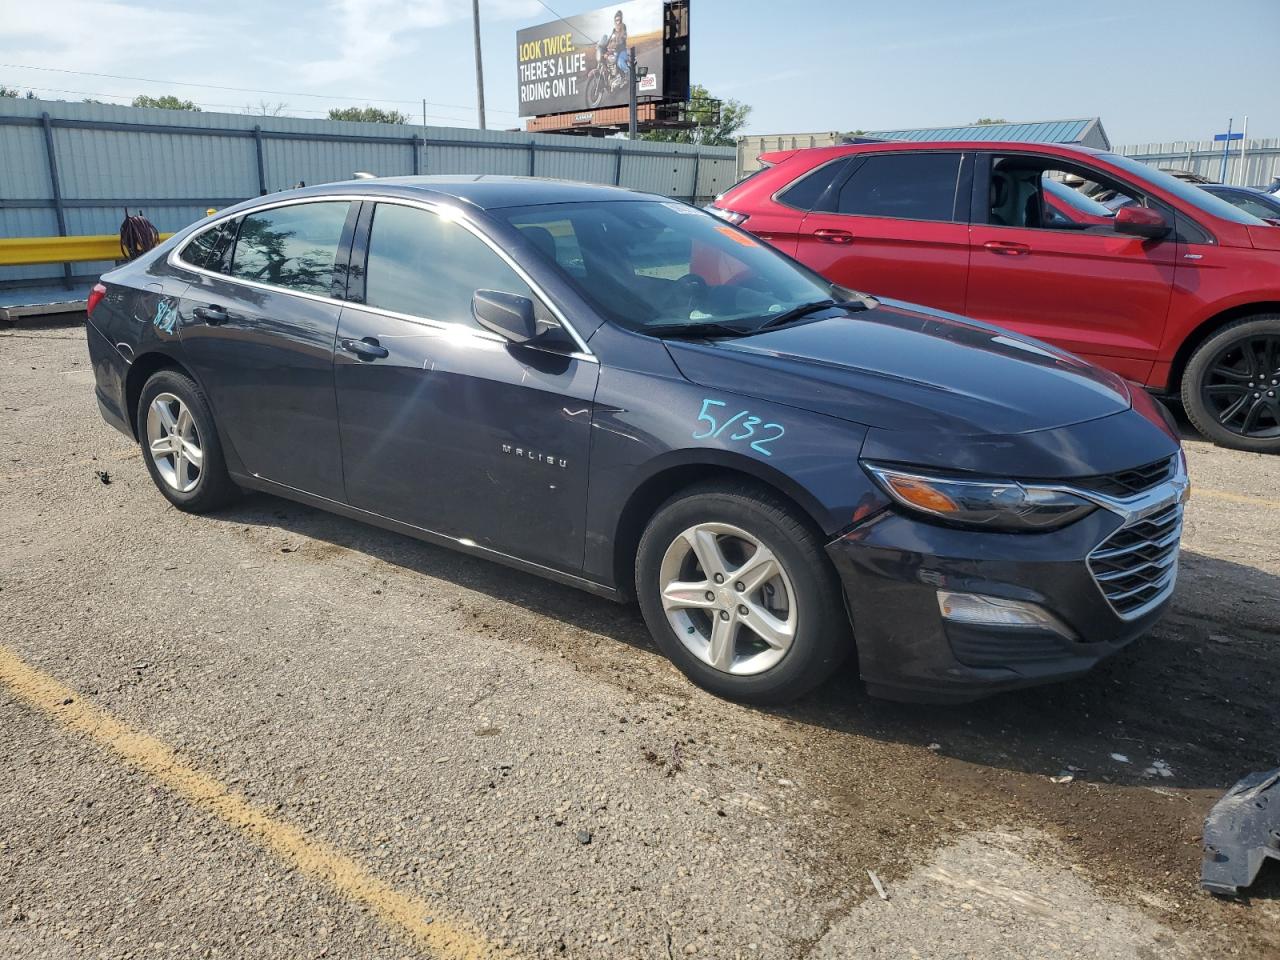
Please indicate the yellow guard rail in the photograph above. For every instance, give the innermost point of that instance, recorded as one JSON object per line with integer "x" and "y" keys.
{"x": 25, "y": 251}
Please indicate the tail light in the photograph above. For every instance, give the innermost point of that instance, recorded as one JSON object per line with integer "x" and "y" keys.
{"x": 737, "y": 219}
{"x": 95, "y": 297}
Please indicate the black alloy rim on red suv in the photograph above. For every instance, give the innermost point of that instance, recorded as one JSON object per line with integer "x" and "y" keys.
{"x": 1241, "y": 387}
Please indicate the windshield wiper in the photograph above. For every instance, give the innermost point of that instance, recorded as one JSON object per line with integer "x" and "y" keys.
{"x": 699, "y": 329}
{"x": 795, "y": 313}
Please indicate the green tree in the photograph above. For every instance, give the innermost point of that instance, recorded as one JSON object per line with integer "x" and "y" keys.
{"x": 167, "y": 102}
{"x": 987, "y": 121}
{"x": 15, "y": 92}
{"x": 368, "y": 115}
{"x": 708, "y": 129}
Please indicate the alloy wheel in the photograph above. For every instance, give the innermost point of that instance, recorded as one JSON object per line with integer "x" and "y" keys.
{"x": 1241, "y": 386}
{"x": 174, "y": 442}
{"x": 728, "y": 598}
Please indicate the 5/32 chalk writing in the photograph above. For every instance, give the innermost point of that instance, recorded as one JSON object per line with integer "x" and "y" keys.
{"x": 745, "y": 427}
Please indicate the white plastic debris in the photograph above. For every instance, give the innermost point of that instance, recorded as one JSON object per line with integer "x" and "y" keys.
{"x": 1119, "y": 758}
{"x": 875, "y": 881}
{"x": 1158, "y": 768}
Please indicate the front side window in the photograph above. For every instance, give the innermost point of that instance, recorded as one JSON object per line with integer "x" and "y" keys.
{"x": 909, "y": 186}
{"x": 426, "y": 265}
{"x": 293, "y": 247}
{"x": 660, "y": 266}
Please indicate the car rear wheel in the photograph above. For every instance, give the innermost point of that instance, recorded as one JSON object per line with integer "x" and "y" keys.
{"x": 180, "y": 445}
{"x": 1231, "y": 388}
{"x": 737, "y": 592}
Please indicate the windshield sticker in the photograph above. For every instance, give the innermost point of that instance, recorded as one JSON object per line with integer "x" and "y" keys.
{"x": 744, "y": 427}
{"x": 737, "y": 236}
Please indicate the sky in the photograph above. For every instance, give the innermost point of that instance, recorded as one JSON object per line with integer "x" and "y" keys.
{"x": 1153, "y": 70}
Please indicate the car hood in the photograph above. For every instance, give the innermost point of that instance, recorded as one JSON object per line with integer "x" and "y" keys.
{"x": 900, "y": 367}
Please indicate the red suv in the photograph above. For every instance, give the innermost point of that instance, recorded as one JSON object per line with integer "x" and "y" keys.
{"x": 1178, "y": 290}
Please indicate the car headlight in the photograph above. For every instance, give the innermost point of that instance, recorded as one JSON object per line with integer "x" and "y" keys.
{"x": 993, "y": 504}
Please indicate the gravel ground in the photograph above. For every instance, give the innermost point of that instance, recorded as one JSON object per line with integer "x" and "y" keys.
{"x": 517, "y": 755}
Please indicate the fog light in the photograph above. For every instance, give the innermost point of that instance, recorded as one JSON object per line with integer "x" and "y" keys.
{"x": 995, "y": 612}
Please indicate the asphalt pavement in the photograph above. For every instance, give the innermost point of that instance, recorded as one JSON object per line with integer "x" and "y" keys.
{"x": 272, "y": 732}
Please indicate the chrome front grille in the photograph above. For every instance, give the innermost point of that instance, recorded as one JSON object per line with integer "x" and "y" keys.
{"x": 1127, "y": 483}
{"x": 1137, "y": 565}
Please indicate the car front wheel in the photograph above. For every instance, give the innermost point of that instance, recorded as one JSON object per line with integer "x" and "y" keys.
{"x": 1231, "y": 388}
{"x": 736, "y": 589}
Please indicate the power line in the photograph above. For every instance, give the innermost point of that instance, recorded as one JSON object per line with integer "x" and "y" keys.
{"x": 214, "y": 86}
{"x": 591, "y": 40}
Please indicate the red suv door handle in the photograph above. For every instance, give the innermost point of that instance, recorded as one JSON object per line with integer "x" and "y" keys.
{"x": 833, "y": 236}
{"x": 1007, "y": 248}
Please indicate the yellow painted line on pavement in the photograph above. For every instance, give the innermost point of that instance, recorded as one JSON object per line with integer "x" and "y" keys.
{"x": 423, "y": 923}
{"x": 1233, "y": 497}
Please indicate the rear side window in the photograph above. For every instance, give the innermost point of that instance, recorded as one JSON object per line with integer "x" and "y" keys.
{"x": 806, "y": 192}
{"x": 293, "y": 247}
{"x": 207, "y": 248}
{"x": 424, "y": 265}
{"x": 909, "y": 186}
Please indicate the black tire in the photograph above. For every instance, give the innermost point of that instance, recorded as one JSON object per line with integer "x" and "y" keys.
{"x": 213, "y": 487}
{"x": 821, "y": 637}
{"x": 1209, "y": 390}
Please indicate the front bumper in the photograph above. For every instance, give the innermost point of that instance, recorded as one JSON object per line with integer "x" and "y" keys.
{"x": 893, "y": 565}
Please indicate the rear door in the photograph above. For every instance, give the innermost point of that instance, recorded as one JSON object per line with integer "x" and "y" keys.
{"x": 447, "y": 426}
{"x": 258, "y": 325}
{"x": 893, "y": 227}
{"x": 1082, "y": 286}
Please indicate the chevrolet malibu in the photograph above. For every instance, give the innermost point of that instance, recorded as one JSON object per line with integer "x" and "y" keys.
{"x": 626, "y": 394}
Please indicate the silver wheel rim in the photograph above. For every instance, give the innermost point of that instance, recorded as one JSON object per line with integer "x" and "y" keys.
{"x": 174, "y": 443}
{"x": 728, "y": 598}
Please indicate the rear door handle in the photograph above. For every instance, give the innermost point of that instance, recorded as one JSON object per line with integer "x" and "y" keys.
{"x": 833, "y": 236}
{"x": 1007, "y": 248}
{"x": 367, "y": 348}
{"x": 214, "y": 314}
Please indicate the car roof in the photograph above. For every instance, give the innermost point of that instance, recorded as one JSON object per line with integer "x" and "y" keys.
{"x": 484, "y": 191}
{"x": 899, "y": 146}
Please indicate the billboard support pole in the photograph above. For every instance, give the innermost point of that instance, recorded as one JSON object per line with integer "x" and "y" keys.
{"x": 632, "y": 81}
{"x": 475, "y": 22}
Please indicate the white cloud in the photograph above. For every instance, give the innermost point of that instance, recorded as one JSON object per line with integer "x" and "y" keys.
{"x": 368, "y": 33}
{"x": 101, "y": 35}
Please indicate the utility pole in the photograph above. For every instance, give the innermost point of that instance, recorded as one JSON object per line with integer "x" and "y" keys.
{"x": 475, "y": 22}
{"x": 633, "y": 81}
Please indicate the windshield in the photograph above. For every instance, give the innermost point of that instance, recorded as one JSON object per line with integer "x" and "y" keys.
{"x": 661, "y": 266}
{"x": 1187, "y": 192}
{"x": 1075, "y": 199}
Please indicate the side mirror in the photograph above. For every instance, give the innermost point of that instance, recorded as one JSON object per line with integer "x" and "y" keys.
{"x": 1141, "y": 222}
{"x": 506, "y": 314}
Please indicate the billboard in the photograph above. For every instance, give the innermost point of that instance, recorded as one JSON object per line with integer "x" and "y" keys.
{"x": 581, "y": 62}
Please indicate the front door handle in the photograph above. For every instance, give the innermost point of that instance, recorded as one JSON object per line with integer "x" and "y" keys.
{"x": 366, "y": 349}
{"x": 1007, "y": 248}
{"x": 833, "y": 236}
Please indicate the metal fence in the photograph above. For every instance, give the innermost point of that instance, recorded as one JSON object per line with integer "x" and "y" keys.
{"x": 1261, "y": 163}
{"x": 69, "y": 169}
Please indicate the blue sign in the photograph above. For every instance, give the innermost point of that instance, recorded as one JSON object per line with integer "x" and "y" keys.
{"x": 1228, "y": 136}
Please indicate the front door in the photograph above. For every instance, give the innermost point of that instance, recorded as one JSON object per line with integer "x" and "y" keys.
{"x": 892, "y": 229}
{"x": 258, "y": 328}
{"x": 1070, "y": 280}
{"x": 447, "y": 426}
